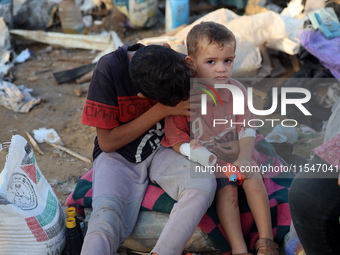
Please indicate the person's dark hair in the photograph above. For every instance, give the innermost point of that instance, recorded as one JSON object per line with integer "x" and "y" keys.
{"x": 214, "y": 32}
{"x": 161, "y": 74}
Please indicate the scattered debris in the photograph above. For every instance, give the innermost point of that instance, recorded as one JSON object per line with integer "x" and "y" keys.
{"x": 34, "y": 144}
{"x": 47, "y": 135}
{"x": 23, "y": 56}
{"x": 6, "y": 54}
{"x": 85, "y": 78}
{"x": 306, "y": 130}
{"x": 17, "y": 98}
{"x": 74, "y": 154}
{"x": 84, "y": 61}
{"x": 282, "y": 134}
{"x": 69, "y": 75}
{"x": 78, "y": 92}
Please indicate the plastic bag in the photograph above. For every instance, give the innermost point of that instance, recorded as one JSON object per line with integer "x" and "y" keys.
{"x": 17, "y": 98}
{"x": 141, "y": 13}
{"x": 32, "y": 220}
{"x": 292, "y": 243}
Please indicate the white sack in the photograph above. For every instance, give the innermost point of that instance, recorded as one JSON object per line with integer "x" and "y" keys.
{"x": 32, "y": 220}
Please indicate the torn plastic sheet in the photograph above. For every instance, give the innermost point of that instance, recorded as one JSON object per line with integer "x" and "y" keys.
{"x": 23, "y": 56}
{"x": 17, "y": 98}
{"x": 33, "y": 14}
{"x": 47, "y": 135}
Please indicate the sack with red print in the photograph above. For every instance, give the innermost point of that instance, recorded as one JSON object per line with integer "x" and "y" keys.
{"x": 32, "y": 220}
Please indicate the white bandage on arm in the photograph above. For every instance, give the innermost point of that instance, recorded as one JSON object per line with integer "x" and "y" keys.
{"x": 198, "y": 154}
{"x": 247, "y": 132}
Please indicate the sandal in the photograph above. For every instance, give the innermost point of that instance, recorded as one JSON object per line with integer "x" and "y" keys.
{"x": 265, "y": 246}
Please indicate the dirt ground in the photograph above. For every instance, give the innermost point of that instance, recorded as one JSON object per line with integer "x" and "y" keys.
{"x": 62, "y": 110}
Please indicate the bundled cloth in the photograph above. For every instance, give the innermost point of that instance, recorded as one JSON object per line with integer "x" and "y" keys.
{"x": 327, "y": 51}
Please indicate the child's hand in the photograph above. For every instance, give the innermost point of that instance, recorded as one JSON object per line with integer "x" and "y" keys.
{"x": 182, "y": 108}
{"x": 242, "y": 164}
{"x": 228, "y": 151}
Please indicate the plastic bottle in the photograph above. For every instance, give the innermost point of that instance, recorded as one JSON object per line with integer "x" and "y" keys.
{"x": 70, "y": 17}
{"x": 71, "y": 213}
{"x": 176, "y": 13}
{"x": 74, "y": 241}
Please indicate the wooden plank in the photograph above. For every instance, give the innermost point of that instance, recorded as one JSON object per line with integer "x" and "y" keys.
{"x": 83, "y": 61}
{"x": 74, "y": 154}
{"x": 34, "y": 144}
{"x": 90, "y": 42}
{"x": 69, "y": 75}
{"x": 85, "y": 78}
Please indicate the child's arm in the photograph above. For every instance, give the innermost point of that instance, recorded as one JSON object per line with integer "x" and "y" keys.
{"x": 113, "y": 139}
{"x": 177, "y": 146}
{"x": 177, "y": 136}
{"x": 196, "y": 153}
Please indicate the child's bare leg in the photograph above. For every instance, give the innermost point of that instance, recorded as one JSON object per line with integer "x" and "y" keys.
{"x": 258, "y": 202}
{"x": 229, "y": 215}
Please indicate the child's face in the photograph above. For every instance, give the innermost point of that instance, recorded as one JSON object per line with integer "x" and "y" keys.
{"x": 214, "y": 62}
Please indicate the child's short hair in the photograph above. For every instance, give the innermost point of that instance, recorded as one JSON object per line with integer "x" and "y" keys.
{"x": 161, "y": 74}
{"x": 214, "y": 32}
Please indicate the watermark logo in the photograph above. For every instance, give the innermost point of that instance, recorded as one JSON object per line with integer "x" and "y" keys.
{"x": 294, "y": 96}
{"x": 204, "y": 97}
{"x": 238, "y": 100}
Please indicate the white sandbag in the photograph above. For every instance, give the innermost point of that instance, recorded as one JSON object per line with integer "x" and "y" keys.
{"x": 248, "y": 59}
{"x": 149, "y": 227}
{"x": 258, "y": 29}
{"x": 294, "y": 20}
{"x": 222, "y": 16}
{"x": 32, "y": 220}
{"x": 175, "y": 44}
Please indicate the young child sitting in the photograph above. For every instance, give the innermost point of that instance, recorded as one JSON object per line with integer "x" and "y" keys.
{"x": 211, "y": 53}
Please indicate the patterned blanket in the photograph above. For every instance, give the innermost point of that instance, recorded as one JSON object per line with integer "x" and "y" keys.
{"x": 277, "y": 184}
